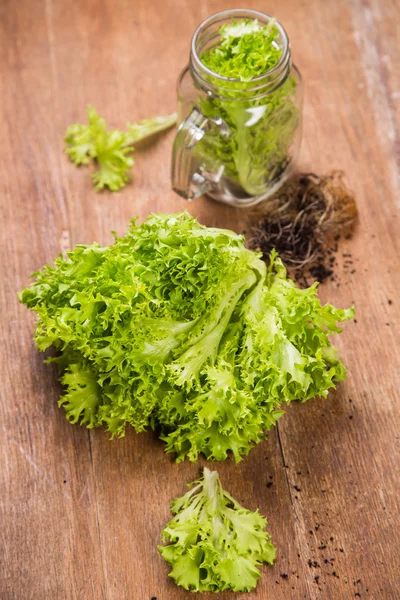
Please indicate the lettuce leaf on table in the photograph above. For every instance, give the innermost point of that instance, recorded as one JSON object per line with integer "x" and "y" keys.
{"x": 215, "y": 543}
{"x": 111, "y": 149}
{"x": 178, "y": 326}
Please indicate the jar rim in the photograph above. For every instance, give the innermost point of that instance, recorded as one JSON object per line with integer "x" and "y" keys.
{"x": 243, "y": 13}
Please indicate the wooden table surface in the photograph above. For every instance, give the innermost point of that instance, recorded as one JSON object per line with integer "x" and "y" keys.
{"x": 81, "y": 515}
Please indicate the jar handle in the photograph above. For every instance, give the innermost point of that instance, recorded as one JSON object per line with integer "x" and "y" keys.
{"x": 189, "y": 178}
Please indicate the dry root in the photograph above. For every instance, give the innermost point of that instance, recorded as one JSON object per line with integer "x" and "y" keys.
{"x": 304, "y": 220}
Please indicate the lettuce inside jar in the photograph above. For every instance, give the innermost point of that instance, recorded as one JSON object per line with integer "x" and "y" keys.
{"x": 240, "y": 102}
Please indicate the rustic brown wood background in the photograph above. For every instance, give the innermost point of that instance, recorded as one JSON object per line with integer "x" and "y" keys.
{"x": 81, "y": 516}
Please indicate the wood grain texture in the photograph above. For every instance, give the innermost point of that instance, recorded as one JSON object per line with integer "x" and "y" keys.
{"x": 81, "y": 516}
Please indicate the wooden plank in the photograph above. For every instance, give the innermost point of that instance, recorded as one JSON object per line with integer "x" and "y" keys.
{"x": 81, "y": 516}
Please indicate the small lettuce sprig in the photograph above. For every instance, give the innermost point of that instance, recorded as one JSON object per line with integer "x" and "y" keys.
{"x": 216, "y": 544}
{"x": 111, "y": 149}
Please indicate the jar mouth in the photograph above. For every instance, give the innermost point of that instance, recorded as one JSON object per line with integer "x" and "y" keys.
{"x": 202, "y": 36}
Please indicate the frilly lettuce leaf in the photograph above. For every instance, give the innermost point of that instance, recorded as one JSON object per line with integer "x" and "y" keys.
{"x": 215, "y": 543}
{"x": 246, "y": 50}
{"x": 83, "y": 394}
{"x": 180, "y": 327}
{"x": 110, "y": 148}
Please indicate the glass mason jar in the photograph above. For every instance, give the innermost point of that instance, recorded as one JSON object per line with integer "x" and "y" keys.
{"x": 236, "y": 140}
